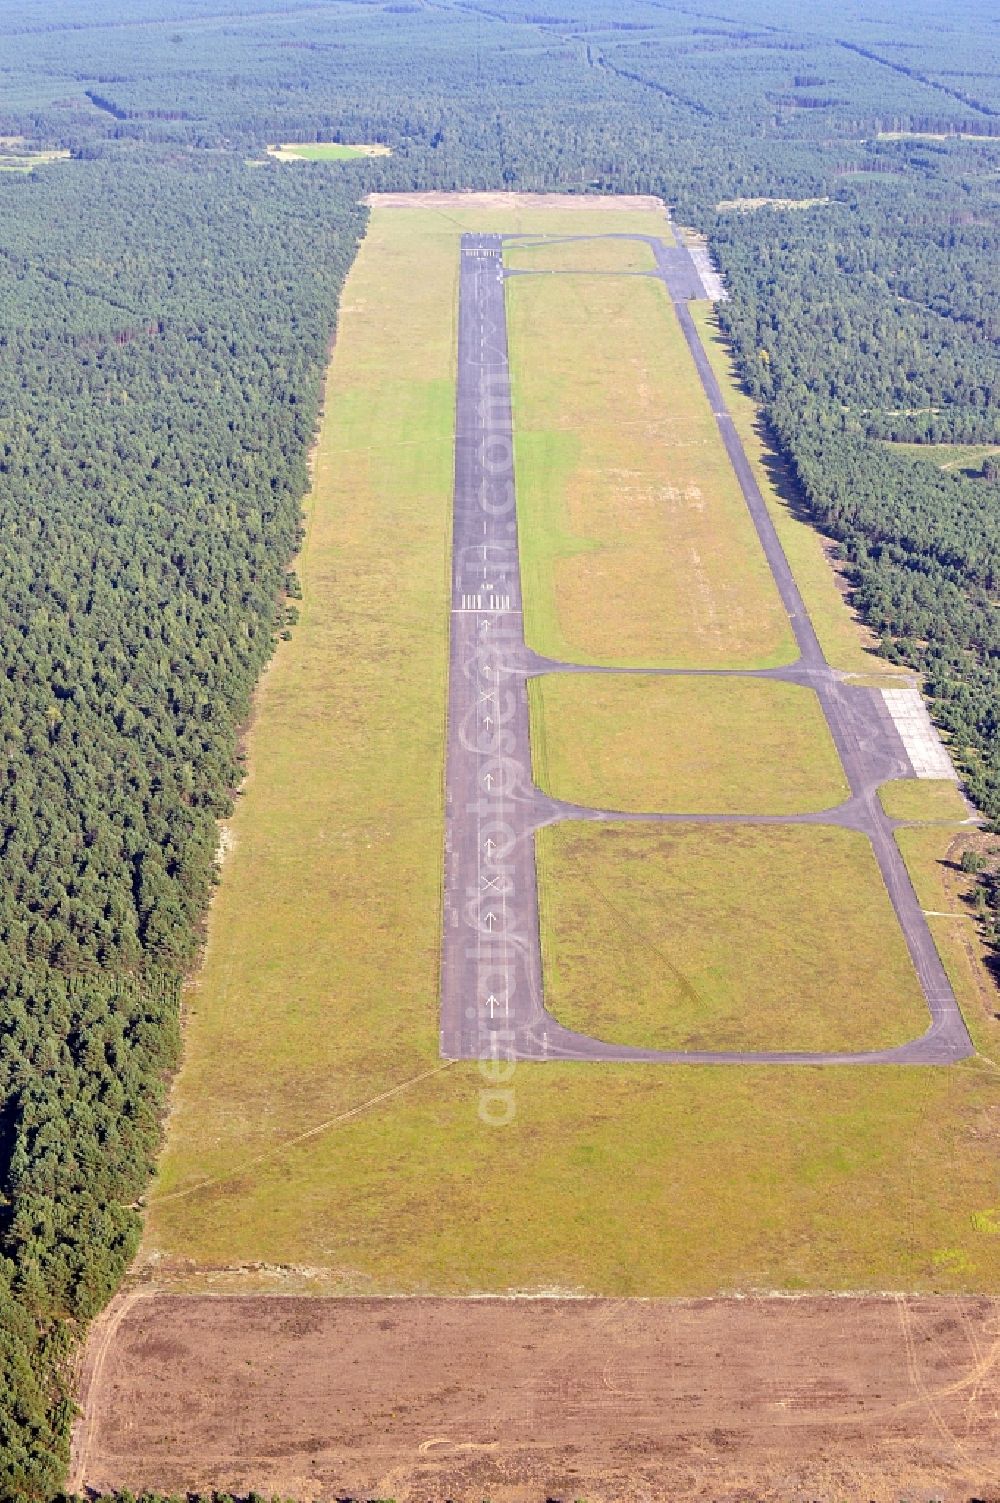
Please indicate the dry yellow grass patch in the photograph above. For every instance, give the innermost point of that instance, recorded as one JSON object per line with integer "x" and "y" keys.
{"x": 683, "y": 745}
{"x": 580, "y": 255}
{"x": 637, "y": 547}
{"x": 724, "y": 937}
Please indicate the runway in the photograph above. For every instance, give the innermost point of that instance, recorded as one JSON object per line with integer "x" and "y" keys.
{"x": 492, "y": 1000}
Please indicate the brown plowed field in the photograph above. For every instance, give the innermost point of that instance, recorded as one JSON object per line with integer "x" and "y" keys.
{"x": 519, "y": 1401}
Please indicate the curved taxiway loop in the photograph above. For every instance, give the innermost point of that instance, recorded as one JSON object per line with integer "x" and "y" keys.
{"x": 492, "y": 1003}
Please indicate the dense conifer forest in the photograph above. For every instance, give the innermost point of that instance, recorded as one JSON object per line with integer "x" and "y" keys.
{"x": 167, "y": 296}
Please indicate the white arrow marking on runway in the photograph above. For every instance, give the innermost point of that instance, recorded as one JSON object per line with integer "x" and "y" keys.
{"x": 488, "y": 780}
{"x": 487, "y": 721}
{"x": 489, "y": 846}
{"x": 492, "y": 1003}
{"x": 490, "y": 920}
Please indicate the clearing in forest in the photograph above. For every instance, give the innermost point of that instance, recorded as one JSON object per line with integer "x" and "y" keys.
{"x": 17, "y": 156}
{"x": 327, "y": 151}
{"x": 317, "y": 1140}
{"x": 967, "y": 459}
{"x": 933, "y": 135}
{"x": 747, "y": 205}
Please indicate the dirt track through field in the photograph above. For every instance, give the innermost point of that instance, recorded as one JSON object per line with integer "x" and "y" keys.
{"x": 815, "y": 1398}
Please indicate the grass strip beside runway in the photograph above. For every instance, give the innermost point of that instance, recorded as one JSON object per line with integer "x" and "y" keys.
{"x": 723, "y": 937}
{"x": 581, "y": 255}
{"x": 329, "y": 906}
{"x": 845, "y": 642}
{"x": 923, "y": 799}
{"x": 636, "y": 544}
{"x": 683, "y": 745}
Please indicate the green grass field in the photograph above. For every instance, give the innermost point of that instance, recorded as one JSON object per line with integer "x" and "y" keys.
{"x": 636, "y": 545}
{"x": 683, "y": 745}
{"x": 316, "y": 1140}
{"x": 723, "y": 937}
{"x": 923, "y": 799}
{"x": 952, "y": 458}
{"x": 581, "y": 255}
{"x": 326, "y": 151}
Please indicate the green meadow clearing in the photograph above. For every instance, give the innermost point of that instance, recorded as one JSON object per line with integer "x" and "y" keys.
{"x": 636, "y": 545}
{"x": 683, "y": 745}
{"x": 326, "y": 151}
{"x": 316, "y": 1141}
{"x": 723, "y": 937}
{"x": 580, "y": 255}
{"x": 950, "y": 457}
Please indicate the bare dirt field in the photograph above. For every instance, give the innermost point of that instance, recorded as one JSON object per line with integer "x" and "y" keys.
{"x": 814, "y": 1398}
{"x": 624, "y": 203}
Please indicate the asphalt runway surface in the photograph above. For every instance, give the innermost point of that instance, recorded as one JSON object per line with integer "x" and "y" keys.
{"x": 492, "y": 1001}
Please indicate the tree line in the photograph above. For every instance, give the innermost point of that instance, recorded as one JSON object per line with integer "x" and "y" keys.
{"x": 149, "y": 506}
